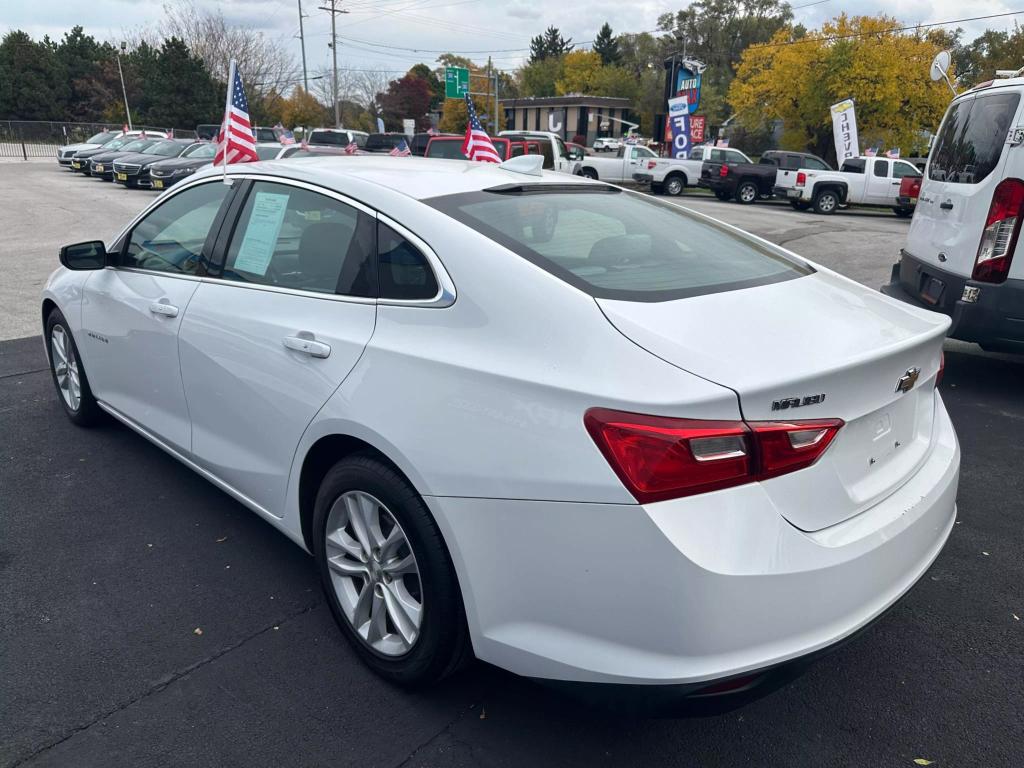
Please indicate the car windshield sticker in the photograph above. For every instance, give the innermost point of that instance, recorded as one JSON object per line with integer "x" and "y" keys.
{"x": 261, "y": 234}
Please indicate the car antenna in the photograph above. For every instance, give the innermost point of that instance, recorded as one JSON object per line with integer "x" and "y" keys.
{"x": 531, "y": 165}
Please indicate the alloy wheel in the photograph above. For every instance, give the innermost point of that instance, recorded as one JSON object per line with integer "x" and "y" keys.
{"x": 65, "y": 367}
{"x": 674, "y": 186}
{"x": 747, "y": 193}
{"x": 826, "y": 203}
{"x": 374, "y": 573}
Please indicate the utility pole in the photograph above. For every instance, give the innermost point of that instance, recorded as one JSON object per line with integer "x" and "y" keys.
{"x": 334, "y": 11}
{"x": 302, "y": 43}
{"x": 124, "y": 91}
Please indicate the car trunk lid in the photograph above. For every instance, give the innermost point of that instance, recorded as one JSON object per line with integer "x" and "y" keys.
{"x": 811, "y": 348}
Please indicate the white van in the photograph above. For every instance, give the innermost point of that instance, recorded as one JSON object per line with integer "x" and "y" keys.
{"x": 959, "y": 256}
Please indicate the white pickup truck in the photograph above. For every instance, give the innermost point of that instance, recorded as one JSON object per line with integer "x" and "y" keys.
{"x": 872, "y": 181}
{"x": 633, "y": 163}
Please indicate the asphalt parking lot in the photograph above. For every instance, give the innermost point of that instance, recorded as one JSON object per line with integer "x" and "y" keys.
{"x": 148, "y": 619}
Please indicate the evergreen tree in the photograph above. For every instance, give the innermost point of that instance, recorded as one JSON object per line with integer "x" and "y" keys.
{"x": 555, "y": 44}
{"x": 606, "y": 46}
{"x": 180, "y": 90}
{"x": 30, "y": 85}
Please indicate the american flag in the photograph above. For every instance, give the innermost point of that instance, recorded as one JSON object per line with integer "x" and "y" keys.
{"x": 477, "y": 144}
{"x": 235, "y": 140}
{"x": 870, "y": 152}
{"x": 893, "y": 153}
{"x": 283, "y": 135}
{"x": 402, "y": 150}
{"x": 351, "y": 148}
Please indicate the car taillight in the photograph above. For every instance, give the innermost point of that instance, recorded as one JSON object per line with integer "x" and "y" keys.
{"x": 724, "y": 170}
{"x": 660, "y": 458}
{"x": 995, "y": 251}
{"x": 651, "y": 164}
{"x": 942, "y": 368}
{"x": 801, "y": 179}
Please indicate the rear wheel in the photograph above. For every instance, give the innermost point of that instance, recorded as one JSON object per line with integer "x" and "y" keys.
{"x": 674, "y": 185}
{"x": 69, "y": 374}
{"x": 589, "y": 173}
{"x": 825, "y": 202}
{"x": 746, "y": 192}
{"x": 386, "y": 573}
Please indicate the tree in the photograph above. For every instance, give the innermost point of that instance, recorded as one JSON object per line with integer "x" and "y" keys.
{"x": 302, "y": 108}
{"x": 436, "y": 84}
{"x": 90, "y": 70}
{"x": 181, "y": 90}
{"x": 538, "y": 78}
{"x": 548, "y": 45}
{"x": 408, "y": 97}
{"x": 455, "y": 116}
{"x": 30, "y": 85}
{"x": 606, "y": 46}
{"x": 991, "y": 50}
{"x": 796, "y": 77}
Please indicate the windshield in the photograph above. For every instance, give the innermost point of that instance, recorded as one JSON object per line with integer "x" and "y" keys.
{"x": 972, "y": 137}
{"x": 100, "y": 138}
{"x": 136, "y": 146}
{"x": 383, "y": 141}
{"x": 618, "y": 245}
{"x": 267, "y": 153}
{"x": 201, "y": 151}
{"x": 164, "y": 149}
{"x": 333, "y": 138}
{"x": 114, "y": 144}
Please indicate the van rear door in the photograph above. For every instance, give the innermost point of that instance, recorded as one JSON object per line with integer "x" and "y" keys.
{"x": 966, "y": 164}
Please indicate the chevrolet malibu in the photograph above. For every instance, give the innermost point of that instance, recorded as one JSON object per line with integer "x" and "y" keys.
{"x": 576, "y": 432}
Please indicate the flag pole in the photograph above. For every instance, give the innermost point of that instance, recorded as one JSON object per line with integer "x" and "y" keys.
{"x": 227, "y": 113}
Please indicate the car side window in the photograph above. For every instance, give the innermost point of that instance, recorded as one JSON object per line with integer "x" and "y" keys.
{"x": 697, "y": 154}
{"x": 901, "y": 169}
{"x": 733, "y": 156}
{"x": 881, "y": 168}
{"x": 814, "y": 164}
{"x": 290, "y": 237}
{"x": 855, "y": 165}
{"x": 171, "y": 237}
{"x": 403, "y": 271}
{"x": 717, "y": 156}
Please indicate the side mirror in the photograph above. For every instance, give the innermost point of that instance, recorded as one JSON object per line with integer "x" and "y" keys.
{"x": 89, "y": 255}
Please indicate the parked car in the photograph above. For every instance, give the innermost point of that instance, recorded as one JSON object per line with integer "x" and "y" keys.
{"x": 672, "y": 175}
{"x": 336, "y": 137}
{"x": 577, "y": 153}
{"x": 384, "y": 142}
{"x": 746, "y": 182}
{"x": 786, "y": 178}
{"x": 628, "y": 160}
{"x": 607, "y": 144}
{"x": 80, "y": 159}
{"x": 910, "y": 190}
{"x": 132, "y": 170}
{"x": 614, "y": 467}
{"x": 209, "y": 131}
{"x": 867, "y": 181}
{"x": 418, "y": 143}
{"x": 101, "y": 166}
{"x": 165, "y": 173}
{"x": 960, "y": 256}
{"x": 552, "y": 147}
{"x": 450, "y": 147}
{"x": 67, "y": 152}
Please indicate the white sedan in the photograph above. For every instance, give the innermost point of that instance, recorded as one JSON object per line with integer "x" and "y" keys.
{"x": 571, "y": 430}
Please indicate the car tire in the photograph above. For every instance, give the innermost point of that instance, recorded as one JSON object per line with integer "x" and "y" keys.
{"x": 746, "y": 193}
{"x": 674, "y": 184}
{"x": 381, "y": 625}
{"x": 825, "y": 202}
{"x": 800, "y": 205}
{"x": 588, "y": 173}
{"x": 903, "y": 213}
{"x": 68, "y": 373}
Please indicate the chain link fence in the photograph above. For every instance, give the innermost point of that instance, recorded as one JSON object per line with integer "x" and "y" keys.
{"x": 24, "y": 139}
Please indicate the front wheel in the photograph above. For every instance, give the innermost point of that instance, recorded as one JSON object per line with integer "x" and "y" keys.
{"x": 903, "y": 213}
{"x": 746, "y": 192}
{"x": 69, "y": 374}
{"x": 826, "y": 202}
{"x": 674, "y": 185}
{"x": 589, "y": 173}
{"x": 387, "y": 574}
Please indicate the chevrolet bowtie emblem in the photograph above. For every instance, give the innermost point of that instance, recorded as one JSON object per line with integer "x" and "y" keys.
{"x": 908, "y": 380}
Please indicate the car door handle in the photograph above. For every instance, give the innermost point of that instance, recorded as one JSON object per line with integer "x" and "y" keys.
{"x": 167, "y": 310}
{"x": 946, "y": 206}
{"x": 306, "y": 346}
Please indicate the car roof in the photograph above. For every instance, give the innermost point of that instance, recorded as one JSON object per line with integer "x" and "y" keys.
{"x": 372, "y": 178}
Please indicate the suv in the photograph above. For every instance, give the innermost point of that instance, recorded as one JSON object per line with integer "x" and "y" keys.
{"x": 384, "y": 142}
{"x": 959, "y": 255}
{"x": 450, "y": 147}
{"x": 607, "y": 144}
{"x": 335, "y": 137}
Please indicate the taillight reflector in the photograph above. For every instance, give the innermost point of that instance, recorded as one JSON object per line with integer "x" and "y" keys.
{"x": 998, "y": 239}
{"x": 942, "y": 368}
{"x": 724, "y": 170}
{"x": 801, "y": 179}
{"x": 660, "y": 458}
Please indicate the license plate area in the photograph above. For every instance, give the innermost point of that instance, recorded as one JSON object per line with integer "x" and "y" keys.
{"x": 99, "y": 169}
{"x": 157, "y": 184}
{"x": 122, "y": 176}
{"x": 931, "y": 289}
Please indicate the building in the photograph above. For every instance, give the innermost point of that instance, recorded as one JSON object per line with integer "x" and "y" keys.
{"x": 590, "y": 116}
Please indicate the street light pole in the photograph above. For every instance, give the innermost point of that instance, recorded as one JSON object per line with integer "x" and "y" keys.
{"x": 302, "y": 43}
{"x": 124, "y": 91}
{"x": 334, "y": 11}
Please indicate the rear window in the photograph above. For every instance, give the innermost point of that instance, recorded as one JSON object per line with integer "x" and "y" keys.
{"x": 972, "y": 137}
{"x": 618, "y": 245}
{"x": 333, "y": 138}
{"x": 852, "y": 166}
{"x": 446, "y": 150}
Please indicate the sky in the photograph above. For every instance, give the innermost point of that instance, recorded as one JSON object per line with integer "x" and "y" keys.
{"x": 502, "y": 28}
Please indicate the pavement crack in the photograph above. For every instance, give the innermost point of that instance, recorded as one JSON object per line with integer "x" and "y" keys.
{"x": 431, "y": 739}
{"x": 162, "y": 684}
{"x": 22, "y": 373}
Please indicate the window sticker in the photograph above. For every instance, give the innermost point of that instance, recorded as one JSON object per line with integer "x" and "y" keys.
{"x": 257, "y": 247}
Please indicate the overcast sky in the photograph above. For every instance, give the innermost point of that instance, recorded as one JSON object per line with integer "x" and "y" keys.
{"x": 500, "y": 27}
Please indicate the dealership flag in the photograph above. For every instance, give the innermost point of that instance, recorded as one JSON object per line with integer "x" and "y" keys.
{"x": 402, "y": 150}
{"x": 477, "y": 145}
{"x": 351, "y": 148}
{"x": 283, "y": 135}
{"x": 844, "y": 128}
{"x": 893, "y": 153}
{"x": 235, "y": 141}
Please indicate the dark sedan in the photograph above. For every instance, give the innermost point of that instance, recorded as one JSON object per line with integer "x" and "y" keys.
{"x": 164, "y": 173}
{"x": 133, "y": 170}
{"x": 80, "y": 161}
{"x": 101, "y": 165}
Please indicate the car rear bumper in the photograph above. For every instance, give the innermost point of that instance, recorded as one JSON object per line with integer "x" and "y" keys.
{"x": 995, "y": 318}
{"x": 690, "y": 591}
{"x": 787, "y": 192}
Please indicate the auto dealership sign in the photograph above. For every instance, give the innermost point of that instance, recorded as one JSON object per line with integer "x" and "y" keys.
{"x": 688, "y": 85}
{"x": 679, "y": 121}
{"x": 844, "y": 129}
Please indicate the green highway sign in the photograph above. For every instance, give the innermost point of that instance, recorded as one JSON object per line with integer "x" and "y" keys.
{"x": 456, "y": 82}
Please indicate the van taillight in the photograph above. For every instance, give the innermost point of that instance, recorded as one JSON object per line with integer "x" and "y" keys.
{"x": 998, "y": 239}
{"x": 660, "y": 458}
{"x": 801, "y": 179}
{"x": 724, "y": 170}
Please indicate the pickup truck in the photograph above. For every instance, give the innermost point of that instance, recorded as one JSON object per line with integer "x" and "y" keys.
{"x": 870, "y": 181}
{"x": 551, "y": 145}
{"x": 910, "y": 190}
{"x": 746, "y": 182}
{"x": 641, "y": 165}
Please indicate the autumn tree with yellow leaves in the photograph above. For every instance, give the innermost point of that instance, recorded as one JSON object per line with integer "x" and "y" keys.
{"x": 796, "y": 76}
